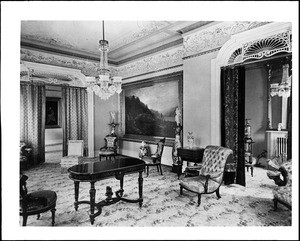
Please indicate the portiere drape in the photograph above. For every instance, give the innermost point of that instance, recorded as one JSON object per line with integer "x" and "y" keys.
{"x": 32, "y": 120}
{"x": 289, "y": 128}
{"x": 75, "y": 116}
{"x": 233, "y": 117}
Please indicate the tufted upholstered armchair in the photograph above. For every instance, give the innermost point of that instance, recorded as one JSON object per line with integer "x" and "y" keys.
{"x": 282, "y": 175}
{"x": 211, "y": 173}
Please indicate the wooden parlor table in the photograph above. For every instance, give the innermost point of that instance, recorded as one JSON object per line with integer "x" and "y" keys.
{"x": 96, "y": 171}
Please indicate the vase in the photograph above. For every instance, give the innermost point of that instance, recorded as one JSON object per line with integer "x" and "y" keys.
{"x": 190, "y": 140}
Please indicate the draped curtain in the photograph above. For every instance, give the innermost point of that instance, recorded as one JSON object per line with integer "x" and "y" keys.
{"x": 75, "y": 116}
{"x": 32, "y": 120}
{"x": 233, "y": 119}
{"x": 289, "y": 128}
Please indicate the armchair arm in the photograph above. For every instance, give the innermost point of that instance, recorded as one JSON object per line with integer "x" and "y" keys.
{"x": 206, "y": 183}
{"x": 196, "y": 167}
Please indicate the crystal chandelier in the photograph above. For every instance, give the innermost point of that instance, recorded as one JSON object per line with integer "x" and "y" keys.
{"x": 284, "y": 88}
{"x": 105, "y": 86}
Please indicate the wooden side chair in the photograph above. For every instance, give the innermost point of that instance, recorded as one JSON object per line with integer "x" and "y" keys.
{"x": 211, "y": 173}
{"x": 155, "y": 159}
{"x": 35, "y": 203}
{"x": 110, "y": 149}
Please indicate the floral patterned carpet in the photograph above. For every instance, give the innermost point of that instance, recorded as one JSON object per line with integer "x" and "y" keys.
{"x": 163, "y": 206}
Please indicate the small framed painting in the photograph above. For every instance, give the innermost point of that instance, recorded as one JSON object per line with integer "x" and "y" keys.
{"x": 53, "y": 113}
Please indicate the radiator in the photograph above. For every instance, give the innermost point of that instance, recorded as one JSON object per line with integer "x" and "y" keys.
{"x": 281, "y": 146}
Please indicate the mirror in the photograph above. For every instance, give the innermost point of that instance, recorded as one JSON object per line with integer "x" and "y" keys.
{"x": 279, "y": 91}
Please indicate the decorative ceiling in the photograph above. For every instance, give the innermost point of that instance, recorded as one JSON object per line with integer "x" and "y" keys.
{"x": 128, "y": 40}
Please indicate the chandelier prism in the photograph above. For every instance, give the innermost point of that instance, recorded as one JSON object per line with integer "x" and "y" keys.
{"x": 104, "y": 86}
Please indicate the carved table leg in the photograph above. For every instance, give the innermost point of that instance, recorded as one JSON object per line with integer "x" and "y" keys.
{"x": 53, "y": 215}
{"x": 92, "y": 202}
{"x": 76, "y": 184}
{"x": 24, "y": 220}
{"x": 121, "y": 185}
{"x": 140, "y": 188}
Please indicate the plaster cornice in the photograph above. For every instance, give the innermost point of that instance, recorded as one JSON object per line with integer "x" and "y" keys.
{"x": 215, "y": 36}
{"x": 51, "y": 74}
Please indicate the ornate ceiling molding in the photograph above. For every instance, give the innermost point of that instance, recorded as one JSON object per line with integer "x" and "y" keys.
{"x": 264, "y": 47}
{"x": 256, "y": 43}
{"x": 87, "y": 67}
{"x": 215, "y": 36}
{"x": 194, "y": 44}
{"x": 144, "y": 29}
{"x": 50, "y": 74}
{"x": 167, "y": 59}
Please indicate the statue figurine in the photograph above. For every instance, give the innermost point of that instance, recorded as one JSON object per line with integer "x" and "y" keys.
{"x": 113, "y": 116}
{"x": 143, "y": 150}
{"x": 177, "y": 142}
{"x": 177, "y": 116}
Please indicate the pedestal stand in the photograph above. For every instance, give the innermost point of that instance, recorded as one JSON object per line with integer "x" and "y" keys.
{"x": 177, "y": 163}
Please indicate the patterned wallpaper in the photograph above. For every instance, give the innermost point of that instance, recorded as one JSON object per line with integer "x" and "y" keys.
{"x": 199, "y": 42}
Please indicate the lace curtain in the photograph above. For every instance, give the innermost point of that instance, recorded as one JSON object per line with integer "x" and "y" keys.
{"x": 75, "y": 116}
{"x": 233, "y": 119}
{"x": 32, "y": 121}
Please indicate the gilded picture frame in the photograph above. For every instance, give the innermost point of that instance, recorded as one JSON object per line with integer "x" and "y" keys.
{"x": 148, "y": 108}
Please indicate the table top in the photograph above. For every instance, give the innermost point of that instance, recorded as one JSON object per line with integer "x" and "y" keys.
{"x": 194, "y": 148}
{"x": 106, "y": 168}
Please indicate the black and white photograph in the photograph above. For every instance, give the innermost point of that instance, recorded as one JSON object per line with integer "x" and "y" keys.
{"x": 166, "y": 120}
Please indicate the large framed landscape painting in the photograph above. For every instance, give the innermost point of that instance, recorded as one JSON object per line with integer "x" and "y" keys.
{"x": 149, "y": 107}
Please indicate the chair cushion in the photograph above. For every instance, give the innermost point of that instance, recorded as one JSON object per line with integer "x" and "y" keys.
{"x": 283, "y": 194}
{"x": 40, "y": 200}
{"x": 150, "y": 160}
{"x": 196, "y": 184}
{"x": 106, "y": 153}
{"x": 273, "y": 174}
